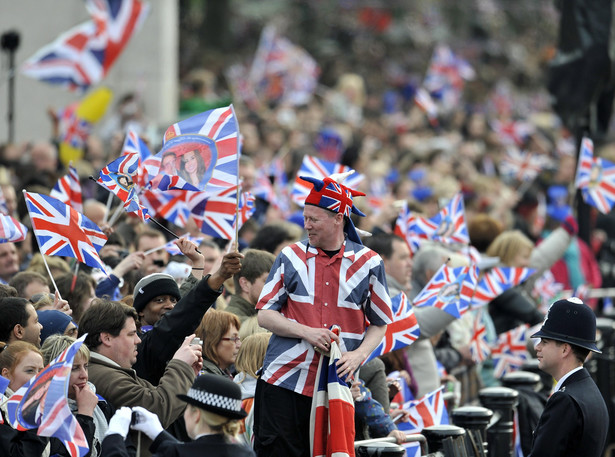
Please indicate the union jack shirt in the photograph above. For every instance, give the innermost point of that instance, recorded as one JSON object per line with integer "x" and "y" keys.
{"x": 308, "y": 287}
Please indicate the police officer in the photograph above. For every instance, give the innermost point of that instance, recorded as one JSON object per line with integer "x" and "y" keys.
{"x": 575, "y": 420}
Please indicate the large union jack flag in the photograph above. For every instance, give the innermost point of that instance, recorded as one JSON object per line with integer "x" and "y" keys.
{"x": 479, "y": 346}
{"x": 60, "y": 230}
{"x": 450, "y": 289}
{"x": 42, "y": 403}
{"x": 510, "y": 351}
{"x": 68, "y": 190}
{"x": 11, "y": 229}
{"x": 332, "y": 416}
{"x": 426, "y": 411}
{"x": 596, "y": 178}
{"x": 402, "y": 332}
{"x": 448, "y": 226}
{"x": 315, "y": 168}
{"x": 83, "y": 55}
{"x": 497, "y": 281}
{"x": 202, "y": 151}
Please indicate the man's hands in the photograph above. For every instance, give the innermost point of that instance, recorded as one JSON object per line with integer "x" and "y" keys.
{"x": 231, "y": 264}
{"x": 131, "y": 262}
{"x": 191, "y": 354}
{"x": 320, "y": 338}
{"x": 349, "y": 362}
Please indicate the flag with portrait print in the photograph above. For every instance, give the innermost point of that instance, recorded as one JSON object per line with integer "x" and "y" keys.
{"x": 510, "y": 351}
{"x": 332, "y": 415}
{"x": 448, "y": 226}
{"x": 62, "y": 231}
{"x": 497, "y": 281}
{"x": 402, "y": 332}
{"x": 450, "y": 289}
{"x": 42, "y": 403}
{"x": 68, "y": 190}
{"x": 426, "y": 411}
{"x": 82, "y": 56}
{"x": 11, "y": 230}
{"x": 320, "y": 169}
{"x": 596, "y": 178}
{"x": 200, "y": 153}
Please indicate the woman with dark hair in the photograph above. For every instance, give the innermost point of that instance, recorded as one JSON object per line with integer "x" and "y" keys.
{"x": 78, "y": 292}
{"x": 219, "y": 331}
{"x": 192, "y": 167}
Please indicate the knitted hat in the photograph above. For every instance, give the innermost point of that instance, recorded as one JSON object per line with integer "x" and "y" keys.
{"x": 336, "y": 197}
{"x": 53, "y": 322}
{"x": 152, "y": 286}
{"x": 216, "y": 394}
{"x": 570, "y": 321}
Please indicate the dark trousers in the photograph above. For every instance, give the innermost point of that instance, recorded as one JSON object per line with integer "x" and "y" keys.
{"x": 281, "y": 422}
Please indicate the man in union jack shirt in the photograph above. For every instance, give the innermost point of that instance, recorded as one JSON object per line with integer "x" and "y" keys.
{"x": 328, "y": 279}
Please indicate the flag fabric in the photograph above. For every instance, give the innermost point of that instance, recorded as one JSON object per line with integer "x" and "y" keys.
{"x": 168, "y": 204}
{"x": 479, "y": 346}
{"x": 215, "y": 215}
{"x": 198, "y": 154}
{"x": 403, "y": 227}
{"x": 450, "y": 289}
{"x": 241, "y": 86}
{"x": 596, "y": 178}
{"x": 83, "y": 55}
{"x": 402, "y": 332}
{"x": 246, "y": 208}
{"x": 320, "y": 169}
{"x": 512, "y": 132}
{"x": 423, "y": 100}
{"x": 11, "y": 229}
{"x": 448, "y": 226}
{"x": 521, "y": 165}
{"x": 60, "y": 230}
{"x": 42, "y": 403}
{"x": 517, "y": 450}
{"x": 426, "y": 411}
{"x": 582, "y": 292}
{"x": 281, "y": 71}
{"x": 74, "y": 131}
{"x": 118, "y": 177}
{"x": 510, "y": 351}
{"x": 133, "y": 144}
{"x": 332, "y": 416}
{"x": 546, "y": 290}
{"x": 68, "y": 190}
{"x": 497, "y": 281}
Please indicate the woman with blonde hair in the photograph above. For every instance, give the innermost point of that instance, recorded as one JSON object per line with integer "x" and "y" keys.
{"x": 249, "y": 362}
{"x": 211, "y": 417}
{"x": 219, "y": 331}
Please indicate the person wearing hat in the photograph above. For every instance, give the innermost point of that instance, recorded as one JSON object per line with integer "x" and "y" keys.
{"x": 328, "y": 279}
{"x": 55, "y": 322}
{"x": 212, "y": 422}
{"x": 167, "y": 317}
{"x": 575, "y": 420}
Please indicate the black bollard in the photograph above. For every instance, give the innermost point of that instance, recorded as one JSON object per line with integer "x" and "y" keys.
{"x": 475, "y": 420}
{"x": 380, "y": 450}
{"x": 521, "y": 378}
{"x": 502, "y": 401}
{"x": 438, "y": 435}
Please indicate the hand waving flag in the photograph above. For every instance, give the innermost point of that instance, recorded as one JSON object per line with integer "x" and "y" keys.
{"x": 596, "y": 178}
{"x": 60, "y": 230}
{"x": 450, "y": 289}
{"x": 68, "y": 190}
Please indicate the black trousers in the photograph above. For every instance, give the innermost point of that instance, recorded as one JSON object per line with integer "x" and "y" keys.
{"x": 281, "y": 422}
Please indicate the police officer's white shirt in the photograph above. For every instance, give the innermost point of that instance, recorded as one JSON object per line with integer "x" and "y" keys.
{"x": 563, "y": 378}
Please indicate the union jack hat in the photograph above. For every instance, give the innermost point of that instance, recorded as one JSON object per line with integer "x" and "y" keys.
{"x": 331, "y": 195}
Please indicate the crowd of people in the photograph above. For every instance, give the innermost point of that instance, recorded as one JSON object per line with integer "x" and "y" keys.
{"x": 223, "y": 355}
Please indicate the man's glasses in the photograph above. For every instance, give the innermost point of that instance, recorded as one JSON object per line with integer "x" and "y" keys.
{"x": 235, "y": 339}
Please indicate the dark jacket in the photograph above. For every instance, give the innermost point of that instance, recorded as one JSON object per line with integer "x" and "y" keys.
{"x": 574, "y": 422}
{"x": 511, "y": 309}
{"x": 21, "y": 444}
{"x": 166, "y": 446}
{"x": 160, "y": 344}
{"x": 241, "y": 307}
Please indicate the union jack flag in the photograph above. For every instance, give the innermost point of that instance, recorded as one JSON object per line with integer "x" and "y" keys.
{"x": 426, "y": 411}
{"x": 215, "y": 215}
{"x": 332, "y": 416}
{"x": 246, "y": 208}
{"x": 479, "y": 346}
{"x": 596, "y": 178}
{"x": 512, "y": 132}
{"x": 403, "y": 225}
{"x": 133, "y": 144}
{"x": 522, "y": 166}
{"x": 42, "y": 403}
{"x": 118, "y": 177}
{"x": 206, "y": 150}
{"x": 423, "y": 100}
{"x": 11, "y": 229}
{"x": 169, "y": 204}
{"x": 510, "y": 351}
{"x": 74, "y": 130}
{"x": 272, "y": 186}
{"x": 3, "y": 208}
{"x": 60, "y": 230}
{"x": 315, "y": 168}
{"x": 83, "y": 55}
{"x": 448, "y": 226}
{"x": 171, "y": 246}
{"x": 450, "y": 289}
{"x": 282, "y": 71}
{"x": 68, "y": 190}
{"x": 497, "y": 281}
{"x": 402, "y": 332}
